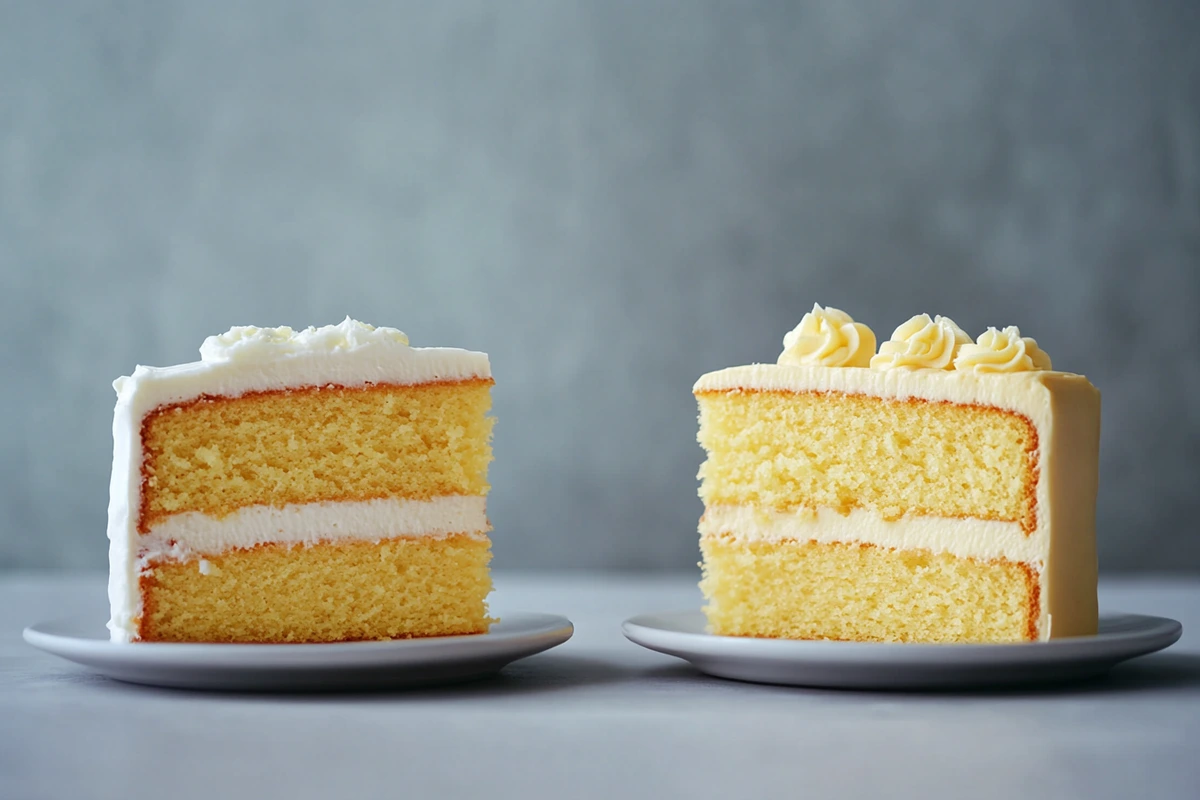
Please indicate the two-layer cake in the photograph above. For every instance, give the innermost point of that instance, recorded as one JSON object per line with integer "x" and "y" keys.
{"x": 313, "y": 486}
{"x": 938, "y": 490}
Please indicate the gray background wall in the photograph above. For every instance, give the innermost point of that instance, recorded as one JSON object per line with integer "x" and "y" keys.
{"x": 611, "y": 198}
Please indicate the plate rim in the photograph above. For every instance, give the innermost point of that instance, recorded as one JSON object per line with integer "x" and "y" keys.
{"x": 1162, "y": 632}
{"x": 544, "y": 632}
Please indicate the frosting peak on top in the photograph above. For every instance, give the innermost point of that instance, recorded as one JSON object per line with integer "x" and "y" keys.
{"x": 922, "y": 343}
{"x": 829, "y": 337}
{"x": 1002, "y": 351}
{"x": 249, "y": 343}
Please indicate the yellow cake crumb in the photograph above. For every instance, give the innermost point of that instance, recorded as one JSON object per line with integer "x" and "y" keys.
{"x": 327, "y": 592}
{"x": 855, "y": 592}
{"x": 790, "y": 450}
{"x": 317, "y": 444}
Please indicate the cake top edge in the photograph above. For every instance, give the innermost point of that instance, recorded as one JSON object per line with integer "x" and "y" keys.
{"x": 829, "y": 337}
{"x": 248, "y": 342}
{"x": 246, "y": 358}
{"x": 863, "y": 380}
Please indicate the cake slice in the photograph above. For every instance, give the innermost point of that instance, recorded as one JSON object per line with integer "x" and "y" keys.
{"x": 316, "y": 486}
{"x": 940, "y": 490}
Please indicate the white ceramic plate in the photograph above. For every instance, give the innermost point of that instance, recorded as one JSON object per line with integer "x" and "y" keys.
{"x": 299, "y": 667}
{"x": 867, "y": 665}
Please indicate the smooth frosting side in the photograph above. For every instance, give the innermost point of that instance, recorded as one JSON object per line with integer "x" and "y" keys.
{"x": 184, "y": 536}
{"x": 964, "y": 538}
{"x": 1070, "y": 471}
{"x": 124, "y": 602}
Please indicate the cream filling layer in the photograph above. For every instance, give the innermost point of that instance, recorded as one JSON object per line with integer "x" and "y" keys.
{"x": 964, "y": 538}
{"x": 182, "y": 536}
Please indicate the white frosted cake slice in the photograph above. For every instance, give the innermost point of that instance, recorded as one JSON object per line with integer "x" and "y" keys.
{"x": 314, "y": 486}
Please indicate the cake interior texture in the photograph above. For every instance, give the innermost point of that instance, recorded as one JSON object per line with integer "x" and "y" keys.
{"x": 326, "y": 592}
{"x": 789, "y": 450}
{"x": 214, "y": 455}
{"x": 856, "y": 592}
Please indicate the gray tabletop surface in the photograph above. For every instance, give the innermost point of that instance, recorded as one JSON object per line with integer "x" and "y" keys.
{"x": 597, "y": 717}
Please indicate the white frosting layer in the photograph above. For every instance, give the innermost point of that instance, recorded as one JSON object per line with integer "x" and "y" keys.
{"x": 252, "y": 360}
{"x": 261, "y": 359}
{"x": 182, "y": 537}
{"x": 964, "y": 538}
{"x": 250, "y": 343}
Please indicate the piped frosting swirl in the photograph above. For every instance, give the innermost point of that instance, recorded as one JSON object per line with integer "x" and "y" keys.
{"x": 1002, "y": 351}
{"x": 828, "y": 337}
{"x": 922, "y": 343}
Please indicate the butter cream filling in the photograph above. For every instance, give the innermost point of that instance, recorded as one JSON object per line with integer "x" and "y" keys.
{"x": 964, "y": 538}
{"x": 181, "y": 536}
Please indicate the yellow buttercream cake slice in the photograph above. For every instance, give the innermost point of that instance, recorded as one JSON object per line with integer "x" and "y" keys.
{"x": 938, "y": 490}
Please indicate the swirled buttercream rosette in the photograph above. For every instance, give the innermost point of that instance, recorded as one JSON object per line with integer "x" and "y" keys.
{"x": 922, "y": 343}
{"x": 1002, "y": 351}
{"x": 828, "y": 337}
